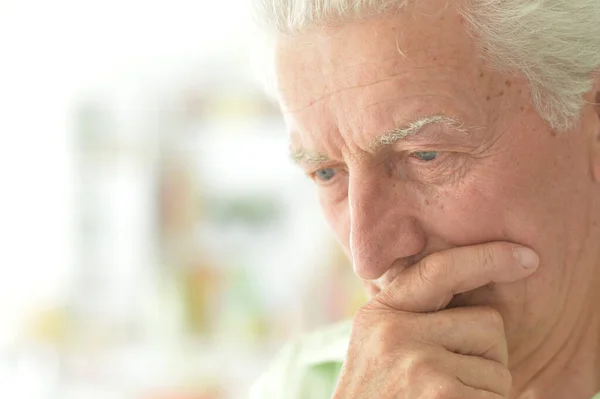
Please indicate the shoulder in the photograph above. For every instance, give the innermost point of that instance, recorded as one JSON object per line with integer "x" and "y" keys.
{"x": 310, "y": 363}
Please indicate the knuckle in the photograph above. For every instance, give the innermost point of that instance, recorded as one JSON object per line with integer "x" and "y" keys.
{"x": 418, "y": 363}
{"x": 486, "y": 256}
{"x": 383, "y": 341}
{"x": 434, "y": 267}
{"x": 421, "y": 367}
{"x": 445, "y": 387}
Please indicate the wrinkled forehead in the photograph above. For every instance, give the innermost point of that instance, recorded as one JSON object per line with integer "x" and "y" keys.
{"x": 325, "y": 59}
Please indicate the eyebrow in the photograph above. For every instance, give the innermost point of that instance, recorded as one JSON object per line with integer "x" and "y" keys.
{"x": 301, "y": 155}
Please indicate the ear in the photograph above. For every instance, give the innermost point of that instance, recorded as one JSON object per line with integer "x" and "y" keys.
{"x": 596, "y": 132}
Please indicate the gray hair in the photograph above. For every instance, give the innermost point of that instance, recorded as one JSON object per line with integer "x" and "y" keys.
{"x": 555, "y": 44}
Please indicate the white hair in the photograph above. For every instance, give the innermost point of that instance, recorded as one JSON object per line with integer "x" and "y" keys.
{"x": 555, "y": 44}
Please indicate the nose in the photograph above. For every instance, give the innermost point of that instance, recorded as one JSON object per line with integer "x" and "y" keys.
{"x": 384, "y": 226}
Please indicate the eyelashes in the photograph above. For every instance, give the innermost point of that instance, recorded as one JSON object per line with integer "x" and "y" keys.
{"x": 325, "y": 174}
{"x": 425, "y": 156}
{"x": 427, "y": 166}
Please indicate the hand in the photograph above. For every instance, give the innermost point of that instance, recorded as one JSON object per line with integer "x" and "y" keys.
{"x": 405, "y": 345}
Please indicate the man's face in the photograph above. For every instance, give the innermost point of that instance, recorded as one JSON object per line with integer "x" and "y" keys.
{"x": 483, "y": 167}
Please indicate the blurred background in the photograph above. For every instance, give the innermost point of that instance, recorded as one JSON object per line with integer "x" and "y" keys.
{"x": 156, "y": 242}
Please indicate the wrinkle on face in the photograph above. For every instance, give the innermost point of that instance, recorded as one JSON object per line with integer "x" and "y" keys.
{"x": 316, "y": 90}
{"x": 508, "y": 179}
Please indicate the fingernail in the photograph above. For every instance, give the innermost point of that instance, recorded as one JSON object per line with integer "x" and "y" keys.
{"x": 526, "y": 257}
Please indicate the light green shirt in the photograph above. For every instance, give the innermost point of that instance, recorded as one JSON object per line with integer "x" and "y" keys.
{"x": 309, "y": 367}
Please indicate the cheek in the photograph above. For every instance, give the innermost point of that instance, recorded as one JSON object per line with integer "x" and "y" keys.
{"x": 465, "y": 215}
{"x": 511, "y": 194}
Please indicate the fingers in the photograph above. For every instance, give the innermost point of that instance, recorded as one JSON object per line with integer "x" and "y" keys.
{"x": 481, "y": 374}
{"x": 474, "y": 331}
{"x": 429, "y": 285}
{"x": 432, "y": 351}
{"x": 424, "y": 371}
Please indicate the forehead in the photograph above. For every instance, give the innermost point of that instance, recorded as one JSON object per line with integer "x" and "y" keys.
{"x": 324, "y": 60}
{"x": 342, "y": 86}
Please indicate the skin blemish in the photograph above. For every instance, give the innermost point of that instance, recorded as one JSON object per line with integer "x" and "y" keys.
{"x": 487, "y": 98}
{"x": 501, "y": 93}
{"x": 427, "y": 202}
{"x": 508, "y": 83}
{"x": 481, "y": 75}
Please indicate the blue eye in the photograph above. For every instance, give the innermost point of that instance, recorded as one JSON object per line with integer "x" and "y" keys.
{"x": 325, "y": 174}
{"x": 425, "y": 155}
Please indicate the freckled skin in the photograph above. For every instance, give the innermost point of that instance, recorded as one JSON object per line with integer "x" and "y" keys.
{"x": 510, "y": 178}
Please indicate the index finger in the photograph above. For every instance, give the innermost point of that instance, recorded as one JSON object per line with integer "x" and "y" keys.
{"x": 429, "y": 285}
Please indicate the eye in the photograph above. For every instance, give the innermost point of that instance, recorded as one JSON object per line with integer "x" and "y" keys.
{"x": 325, "y": 174}
{"x": 425, "y": 156}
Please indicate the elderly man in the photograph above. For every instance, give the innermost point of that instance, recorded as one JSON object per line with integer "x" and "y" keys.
{"x": 455, "y": 146}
